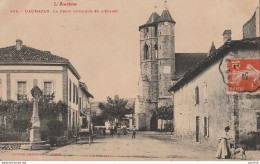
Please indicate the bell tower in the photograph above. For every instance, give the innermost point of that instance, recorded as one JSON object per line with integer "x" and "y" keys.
{"x": 157, "y": 60}
{"x": 166, "y": 57}
{"x": 149, "y": 68}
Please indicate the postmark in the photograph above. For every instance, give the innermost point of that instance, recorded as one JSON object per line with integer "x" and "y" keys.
{"x": 243, "y": 75}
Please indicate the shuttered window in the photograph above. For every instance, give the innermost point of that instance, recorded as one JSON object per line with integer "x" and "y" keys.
{"x": 197, "y": 95}
{"x": 70, "y": 90}
{"x": 206, "y": 126}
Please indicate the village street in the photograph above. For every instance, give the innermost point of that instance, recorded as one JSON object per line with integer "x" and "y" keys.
{"x": 146, "y": 146}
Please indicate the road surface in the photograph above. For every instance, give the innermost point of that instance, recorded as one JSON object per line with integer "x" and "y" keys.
{"x": 147, "y": 146}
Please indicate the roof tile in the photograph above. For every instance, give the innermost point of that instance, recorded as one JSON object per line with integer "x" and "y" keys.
{"x": 28, "y": 55}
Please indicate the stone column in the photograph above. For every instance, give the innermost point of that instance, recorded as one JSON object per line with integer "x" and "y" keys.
{"x": 35, "y": 132}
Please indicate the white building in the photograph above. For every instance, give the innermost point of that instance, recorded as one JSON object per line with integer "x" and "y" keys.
{"x": 23, "y": 67}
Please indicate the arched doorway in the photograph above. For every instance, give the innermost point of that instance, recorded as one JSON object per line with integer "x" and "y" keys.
{"x": 153, "y": 123}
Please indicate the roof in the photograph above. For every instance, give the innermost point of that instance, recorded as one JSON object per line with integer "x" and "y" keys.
{"x": 166, "y": 17}
{"x": 154, "y": 19}
{"x": 252, "y": 43}
{"x": 184, "y": 61}
{"x": 84, "y": 88}
{"x": 250, "y": 20}
{"x": 31, "y": 56}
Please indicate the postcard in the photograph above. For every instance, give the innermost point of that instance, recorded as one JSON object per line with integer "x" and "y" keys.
{"x": 113, "y": 80}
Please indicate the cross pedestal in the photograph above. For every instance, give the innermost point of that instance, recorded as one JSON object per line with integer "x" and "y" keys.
{"x": 35, "y": 131}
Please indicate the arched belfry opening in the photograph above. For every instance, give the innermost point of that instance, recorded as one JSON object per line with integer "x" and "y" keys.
{"x": 146, "y": 53}
{"x": 156, "y": 50}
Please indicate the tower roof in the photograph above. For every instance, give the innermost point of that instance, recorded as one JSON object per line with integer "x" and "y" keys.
{"x": 166, "y": 17}
{"x": 153, "y": 19}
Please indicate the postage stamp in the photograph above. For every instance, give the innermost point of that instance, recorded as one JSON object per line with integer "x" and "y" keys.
{"x": 243, "y": 75}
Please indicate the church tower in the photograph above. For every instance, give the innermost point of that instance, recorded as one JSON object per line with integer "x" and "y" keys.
{"x": 166, "y": 57}
{"x": 157, "y": 59}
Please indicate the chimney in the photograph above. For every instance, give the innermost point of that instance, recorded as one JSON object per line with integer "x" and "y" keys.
{"x": 19, "y": 44}
{"x": 226, "y": 36}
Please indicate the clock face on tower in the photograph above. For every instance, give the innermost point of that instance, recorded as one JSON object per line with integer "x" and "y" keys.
{"x": 166, "y": 23}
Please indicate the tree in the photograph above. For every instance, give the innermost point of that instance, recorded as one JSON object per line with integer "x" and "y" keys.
{"x": 164, "y": 112}
{"x": 98, "y": 120}
{"x": 114, "y": 108}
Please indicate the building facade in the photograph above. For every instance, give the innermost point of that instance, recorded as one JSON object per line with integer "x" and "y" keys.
{"x": 23, "y": 67}
{"x": 221, "y": 91}
{"x": 84, "y": 107}
{"x": 160, "y": 67}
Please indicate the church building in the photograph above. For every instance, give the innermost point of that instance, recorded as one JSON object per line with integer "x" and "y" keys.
{"x": 160, "y": 66}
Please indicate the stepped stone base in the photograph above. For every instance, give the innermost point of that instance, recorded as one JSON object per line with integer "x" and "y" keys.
{"x": 36, "y": 146}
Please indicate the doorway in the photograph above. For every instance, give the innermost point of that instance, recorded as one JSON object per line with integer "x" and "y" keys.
{"x": 197, "y": 128}
{"x": 153, "y": 123}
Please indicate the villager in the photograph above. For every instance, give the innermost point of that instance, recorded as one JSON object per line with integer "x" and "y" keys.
{"x": 112, "y": 131}
{"x": 224, "y": 145}
{"x": 134, "y": 133}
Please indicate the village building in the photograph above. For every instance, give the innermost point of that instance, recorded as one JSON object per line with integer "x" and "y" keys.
{"x": 160, "y": 66}
{"x": 222, "y": 90}
{"x": 84, "y": 106}
{"x": 23, "y": 67}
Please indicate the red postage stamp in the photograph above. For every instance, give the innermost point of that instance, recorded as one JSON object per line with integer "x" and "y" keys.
{"x": 243, "y": 75}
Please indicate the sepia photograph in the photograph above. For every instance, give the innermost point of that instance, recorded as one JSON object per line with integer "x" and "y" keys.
{"x": 130, "y": 80}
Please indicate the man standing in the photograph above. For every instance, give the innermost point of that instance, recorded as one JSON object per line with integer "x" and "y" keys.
{"x": 134, "y": 133}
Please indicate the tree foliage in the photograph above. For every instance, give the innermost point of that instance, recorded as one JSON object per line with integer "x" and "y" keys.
{"x": 115, "y": 108}
{"x": 164, "y": 112}
{"x": 18, "y": 115}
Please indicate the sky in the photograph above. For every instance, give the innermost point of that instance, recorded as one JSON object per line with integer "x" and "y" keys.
{"x": 104, "y": 47}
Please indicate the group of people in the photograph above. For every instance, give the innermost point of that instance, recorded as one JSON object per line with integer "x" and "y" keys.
{"x": 114, "y": 130}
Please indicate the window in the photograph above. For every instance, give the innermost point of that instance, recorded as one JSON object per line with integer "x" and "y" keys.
{"x": 206, "y": 127}
{"x": 70, "y": 118}
{"x": 48, "y": 88}
{"x": 146, "y": 52}
{"x": 197, "y": 95}
{"x": 73, "y": 120}
{"x": 146, "y": 30}
{"x": 70, "y": 90}
{"x": 156, "y": 50}
{"x": 48, "y": 91}
{"x": 76, "y": 118}
{"x": 258, "y": 120}
{"x": 205, "y": 92}
{"x": 21, "y": 94}
{"x": 80, "y": 103}
{"x": 77, "y": 95}
{"x": 74, "y": 90}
